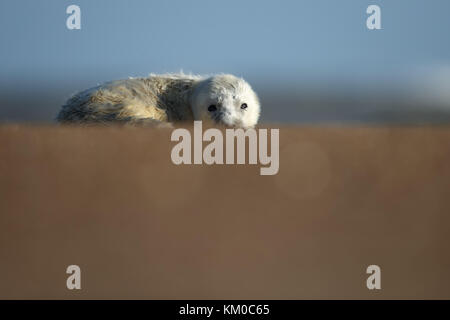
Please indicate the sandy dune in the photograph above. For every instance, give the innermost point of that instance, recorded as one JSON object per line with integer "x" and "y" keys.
{"x": 111, "y": 201}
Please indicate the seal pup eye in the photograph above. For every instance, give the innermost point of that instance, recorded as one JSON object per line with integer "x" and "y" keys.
{"x": 244, "y": 106}
{"x": 212, "y": 108}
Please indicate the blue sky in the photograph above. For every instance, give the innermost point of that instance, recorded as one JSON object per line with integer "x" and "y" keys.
{"x": 256, "y": 39}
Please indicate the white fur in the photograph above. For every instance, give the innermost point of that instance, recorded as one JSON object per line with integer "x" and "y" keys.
{"x": 166, "y": 98}
{"x": 227, "y": 93}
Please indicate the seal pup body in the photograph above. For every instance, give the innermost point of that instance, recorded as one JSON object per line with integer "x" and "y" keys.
{"x": 165, "y": 99}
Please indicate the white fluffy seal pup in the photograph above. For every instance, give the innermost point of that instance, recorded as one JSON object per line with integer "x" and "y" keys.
{"x": 164, "y": 99}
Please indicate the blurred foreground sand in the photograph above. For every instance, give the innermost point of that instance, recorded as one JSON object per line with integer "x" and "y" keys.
{"x": 111, "y": 201}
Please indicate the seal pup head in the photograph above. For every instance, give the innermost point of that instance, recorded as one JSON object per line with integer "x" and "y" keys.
{"x": 227, "y": 100}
